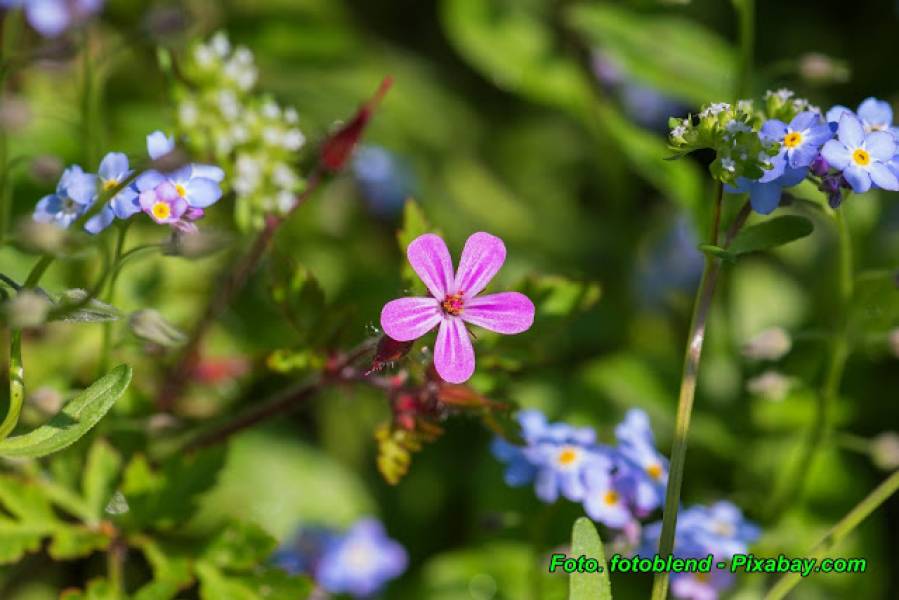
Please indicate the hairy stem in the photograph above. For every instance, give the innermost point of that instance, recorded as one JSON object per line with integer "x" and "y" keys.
{"x": 838, "y": 532}
{"x": 233, "y": 282}
{"x": 110, "y": 294}
{"x": 692, "y": 356}
{"x": 794, "y": 481}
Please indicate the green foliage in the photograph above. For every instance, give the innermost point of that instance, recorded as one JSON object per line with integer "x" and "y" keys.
{"x": 667, "y": 52}
{"x": 75, "y": 419}
{"x": 415, "y": 223}
{"x": 585, "y": 541}
{"x": 771, "y": 233}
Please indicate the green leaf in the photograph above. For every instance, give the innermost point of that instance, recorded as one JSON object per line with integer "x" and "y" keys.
{"x": 267, "y": 584}
{"x": 98, "y": 589}
{"x": 101, "y": 473}
{"x": 76, "y": 541}
{"x": 676, "y": 56}
{"x": 770, "y": 234}
{"x": 240, "y": 547}
{"x": 875, "y": 303}
{"x": 559, "y": 296}
{"x": 169, "y": 496}
{"x": 298, "y": 293}
{"x": 75, "y": 419}
{"x": 717, "y": 252}
{"x": 589, "y": 586}
{"x": 172, "y": 571}
{"x": 415, "y": 223}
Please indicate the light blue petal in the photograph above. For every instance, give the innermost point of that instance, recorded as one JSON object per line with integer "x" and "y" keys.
{"x": 100, "y": 221}
{"x": 149, "y": 180}
{"x": 83, "y": 189}
{"x": 851, "y": 131}
{"x": 804, "y": 120}
{"x": 836, "y": 154}
{"x": 875, "y": 113}
{"x": 818, "y": 135}
{"x": 125, "y": 203}
{"x": 49, "y": 17}
{"x": 202, "y": 192}
{"x": 803, "y": 155}
{"x": 546, "y": 487}
{"x": 764, "y": 197}
{"x": 778, "y": 164}
{"x": 880, "y": 145}
{"x": 68, "y": 176}
{"x": 773, "y": 130}
{"x": 742, "y": 187}
{"x": 47, "y": 208}
{"x": 113, "y": 166}
{"x": 883, "y": 177}
{"x": 208, "y": 172}
{"x": 858, "y": 179}
{"x": 833, "y": 115}
{"x": 158, "y": 144}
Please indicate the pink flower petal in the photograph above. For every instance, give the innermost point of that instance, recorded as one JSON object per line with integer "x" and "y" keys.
{"x": 453, "y": 354}
{"x": 483, "y": 256}
{"x": 408, "y": 319}
{"x": 506, "y": 312}
{"x": 431, "y": 261}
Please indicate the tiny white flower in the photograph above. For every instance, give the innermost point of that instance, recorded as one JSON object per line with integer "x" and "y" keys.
{"x": 293, "y": 140}
{"x": 220, "y": 44}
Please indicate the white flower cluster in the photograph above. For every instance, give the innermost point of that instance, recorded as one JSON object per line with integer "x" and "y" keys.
{"x": 254, "y": 138}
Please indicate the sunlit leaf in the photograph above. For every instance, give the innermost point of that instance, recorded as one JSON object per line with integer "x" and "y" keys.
{"x": 585, "y": 541}
{"x": 75, "y": 419}
{"x": 770, "y": 233}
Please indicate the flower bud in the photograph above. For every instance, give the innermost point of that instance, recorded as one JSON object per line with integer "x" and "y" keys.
{"x": 770, "y": 344}
{"x": 389, "y": 350}
{"x": 893, "y": 341}
{"x": 885, "y": 450}
{"x": 337, "y": 149}
{"x": 46, "y": 168}
{"x": 771, "y": 385}
{"x": 820, "y": 68}
{"x": 41, "y": 238}
{"x": 27, "y": 309}
{"x": 197, "y": 244}
{"x": 149, "y": 325}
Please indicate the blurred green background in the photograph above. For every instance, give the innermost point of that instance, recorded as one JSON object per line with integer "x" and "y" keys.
{"x": 541, "y": 122}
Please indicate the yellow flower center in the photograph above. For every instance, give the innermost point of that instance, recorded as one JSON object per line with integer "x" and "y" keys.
{"x": 655, "y": 471}
{"x": 861, "y": 157}
{"x": 161, "y": 210}
{"x": 109, "y": 184}
{"x": 182, "y": 191}
{"x": 567, "y": 456}
{"x": 610, "y": 497}
{"x": 701, "y": 577}
{"x": 792, "y": 139}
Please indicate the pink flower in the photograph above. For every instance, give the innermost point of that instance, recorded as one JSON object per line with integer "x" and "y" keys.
{"x": 454, "y": 301}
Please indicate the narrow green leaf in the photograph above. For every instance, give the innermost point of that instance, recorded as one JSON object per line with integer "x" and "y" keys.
{"x": 73, "y": 421}
{"x": 415, "y": 223}
{"x": 717, "y": 252}
{"x": 770, "y": 234}
{"x": 76, "y": 541}
{"x": 101, "y": 473}
{"x": 75, "y": 306}
{"x": 589, "y": 586}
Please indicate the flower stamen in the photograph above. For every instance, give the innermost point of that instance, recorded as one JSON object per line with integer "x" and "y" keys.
{"x": 792, "y": 139}
{"x": 861, "y": 157}
{"x": 453, "y": 304}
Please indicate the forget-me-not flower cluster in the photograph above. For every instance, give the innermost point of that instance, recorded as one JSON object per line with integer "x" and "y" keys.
{"x": 617, "y": 485}
{"x": 839, "y": 150}
{"x": 176, "y": 198}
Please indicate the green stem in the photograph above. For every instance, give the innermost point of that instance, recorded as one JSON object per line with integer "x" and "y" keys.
{"x": 838, "y": 532}
{"x": 794, "y": 481}
{"x": 110, "y": 293}
{"x": 89, "y": 102}
{"x": 16, "y": 384}
{"x": 704, "y": 295}
{"x": 746, "y": 12}
{"x": 11, "y": 27}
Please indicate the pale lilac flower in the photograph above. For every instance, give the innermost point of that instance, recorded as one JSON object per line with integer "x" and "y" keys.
{"x": 454, "y": 301}
{"x": 861, "y": 157}
{"x": 52, "y": 17}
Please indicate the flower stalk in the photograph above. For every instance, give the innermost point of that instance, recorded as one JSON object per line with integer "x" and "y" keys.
{"x": 692, "y": 355}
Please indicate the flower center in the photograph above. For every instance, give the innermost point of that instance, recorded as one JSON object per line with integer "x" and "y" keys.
{"x": 723, "y": 528}
{"x": 182, "y": 191}
{"x": 701, "y": 577}
{"x": 161, "y": 210}
{"x": 567, "y": 456}
{"x": 109, "y": 184}
{"x": 453, "y": 304}
{"x": 861, "y": 157}
{"x": 610, "y": 497}
{"x": 792, "y": 139}
{"x": 655, "y": 471}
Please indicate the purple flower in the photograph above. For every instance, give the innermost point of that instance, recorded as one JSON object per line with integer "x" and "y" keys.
{"x": 561, "y": 457}
{"x": 303, "y": 553}
{"x": 875, "y": 115}
{"x": 361, "y": 562}
{"x": 720, "y": 529}
{"x": 52, "y": 17}
{"x": 799, "y": 141}
{"x": 75, "y": 193}
{"x": 861, "y": 157}
{"x": 520, "y": 470}
{"x": 454, "y": 302}
{"x": 700, "y": 586}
